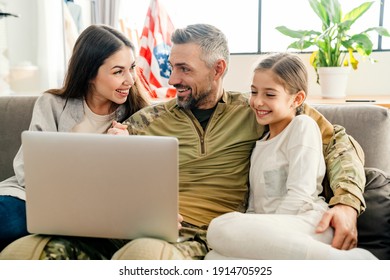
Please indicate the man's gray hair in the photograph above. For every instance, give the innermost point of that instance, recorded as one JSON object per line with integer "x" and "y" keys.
{"x": 211, "y": 40}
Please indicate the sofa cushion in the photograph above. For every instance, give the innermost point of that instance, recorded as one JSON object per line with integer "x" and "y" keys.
{"x": 369, "y": 125}
{"x": 374, "y": 223}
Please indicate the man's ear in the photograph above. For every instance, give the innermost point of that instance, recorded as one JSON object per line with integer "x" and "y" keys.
{"x": 220, "y": 68}
{"x": 299, "y": 98}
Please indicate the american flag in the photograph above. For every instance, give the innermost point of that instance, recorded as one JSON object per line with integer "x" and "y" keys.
{"x": 155, "y": 47}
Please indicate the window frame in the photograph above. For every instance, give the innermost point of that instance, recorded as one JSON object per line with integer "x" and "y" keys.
{"x": 259, "y": 43}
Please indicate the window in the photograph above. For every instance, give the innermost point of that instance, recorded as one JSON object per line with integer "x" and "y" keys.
{"x": 240, "y": 22}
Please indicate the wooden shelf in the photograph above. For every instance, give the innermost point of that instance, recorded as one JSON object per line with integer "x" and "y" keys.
{"x": 381, "y": 100}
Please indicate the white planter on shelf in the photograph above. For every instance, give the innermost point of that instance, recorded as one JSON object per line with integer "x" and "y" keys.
{"x": 333, "y": 81}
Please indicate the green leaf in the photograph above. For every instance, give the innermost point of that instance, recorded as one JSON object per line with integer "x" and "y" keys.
{"x": 320, "y": 10}
{"x": 359, "y": 42}
{"x": 345, "y": 25}
{"x": 300, "y": 45}
{"x": 333, "y": 9}
{"x": 380, "y": 30}
{"x": 347, "y": 44}
{"x": 363, "y": 44}
{"x": 296, "y": 33}
{"x": 357, "y": 12}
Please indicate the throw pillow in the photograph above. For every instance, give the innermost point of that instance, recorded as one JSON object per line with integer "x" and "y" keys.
{"x": 374, "y": 224}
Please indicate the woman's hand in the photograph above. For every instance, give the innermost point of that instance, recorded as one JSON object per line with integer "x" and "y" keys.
{"x": 118, "y": 129}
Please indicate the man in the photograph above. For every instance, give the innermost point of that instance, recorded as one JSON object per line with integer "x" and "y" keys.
{"x": 217, "y": 131}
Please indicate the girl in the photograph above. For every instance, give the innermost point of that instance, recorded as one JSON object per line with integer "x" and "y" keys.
{"x": 101, "y": 86}
{"x": 287, "y": 169}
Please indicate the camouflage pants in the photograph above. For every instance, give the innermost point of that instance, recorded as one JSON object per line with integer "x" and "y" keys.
{"x": 77, "y": 248}
{"x": 193, "y": 246}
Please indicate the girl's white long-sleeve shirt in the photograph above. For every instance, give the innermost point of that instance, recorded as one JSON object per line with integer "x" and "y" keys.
{"x": 287, "y": 171}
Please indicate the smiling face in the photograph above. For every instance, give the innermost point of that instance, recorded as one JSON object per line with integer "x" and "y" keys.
{"x": 271, "y": 102}
{"x": 198, "y": 86}
{"x": 113, "y": 81}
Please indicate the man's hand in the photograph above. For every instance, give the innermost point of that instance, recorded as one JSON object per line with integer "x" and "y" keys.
{"x": 343, "y": 219}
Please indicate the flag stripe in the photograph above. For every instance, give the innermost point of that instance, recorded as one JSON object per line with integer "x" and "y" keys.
{"x": 155, "y": 46}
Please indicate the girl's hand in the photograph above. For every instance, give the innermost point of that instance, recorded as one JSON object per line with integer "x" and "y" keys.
{"x": 118, "y": 129}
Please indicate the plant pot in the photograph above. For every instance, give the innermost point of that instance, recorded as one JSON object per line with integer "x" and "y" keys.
{"x": 333, "y": 81}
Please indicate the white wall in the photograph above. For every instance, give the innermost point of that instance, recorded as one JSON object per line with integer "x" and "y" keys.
{"x": 22, "y": 31}
{"x": 368, "y": 79}
{"x": 33, "y": 53}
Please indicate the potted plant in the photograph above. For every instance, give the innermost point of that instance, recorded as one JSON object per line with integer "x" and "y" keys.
{"x": 335, "y": 45}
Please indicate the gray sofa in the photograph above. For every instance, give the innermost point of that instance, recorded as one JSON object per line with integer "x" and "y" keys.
{"x": 368, "y": 124}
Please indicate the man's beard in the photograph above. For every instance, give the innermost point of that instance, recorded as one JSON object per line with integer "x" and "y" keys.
{"x": 190, "y": 102}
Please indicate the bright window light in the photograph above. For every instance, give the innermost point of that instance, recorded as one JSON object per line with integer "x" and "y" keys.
{"x": 239, "y": 19}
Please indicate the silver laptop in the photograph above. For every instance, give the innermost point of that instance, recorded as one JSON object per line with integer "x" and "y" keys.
{"x": 95, "y": 185}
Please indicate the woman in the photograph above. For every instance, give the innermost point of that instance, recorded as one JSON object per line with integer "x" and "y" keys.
{"x": 100, "y": 87}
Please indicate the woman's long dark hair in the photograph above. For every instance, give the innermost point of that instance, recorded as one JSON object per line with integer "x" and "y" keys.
{"x": 94, "y": 45}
